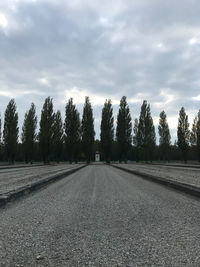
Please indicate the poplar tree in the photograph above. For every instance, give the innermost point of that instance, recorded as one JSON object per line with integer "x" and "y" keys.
{"x": 46, "y": 130}
{"x": 135, "y": 139}
{"x": 146, "y": 132}
{"x": 57, "y": 136}
{"x": 0, "y": 129}
{"x": 193, "y": 133}
{"x": 29, "y": 133}
{"x": 1, "y": 145}
{"x": 165, "y": 137}
{"x": 107, "y": 130}
{"x": 11, "y": 131}
{"x": 87, "y": 130}
{"x": 72, "y": 131}
{"x": 0, "y": 137}
{"x": 198, "y": 135}
{"x": 123, "y": 130}
{"x": 183, "y": 133}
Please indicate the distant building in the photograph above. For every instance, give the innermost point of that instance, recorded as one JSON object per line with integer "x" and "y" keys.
{"x": 97, "y": 156}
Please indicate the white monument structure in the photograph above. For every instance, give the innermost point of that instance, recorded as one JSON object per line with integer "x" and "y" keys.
{"x": 97, "y": 156}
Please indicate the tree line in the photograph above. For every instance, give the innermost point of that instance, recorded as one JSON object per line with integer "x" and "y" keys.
{"x": 74, "y": 139}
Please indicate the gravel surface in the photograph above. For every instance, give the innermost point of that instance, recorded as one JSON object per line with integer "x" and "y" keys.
{"x": 101, "y": 216}
{"x": 185, "y": 175}
{"x": 14, "y": 178}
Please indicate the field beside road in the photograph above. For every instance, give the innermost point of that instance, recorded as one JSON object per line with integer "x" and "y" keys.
{"x": 101, "y": 216}
{"x": 14, "y": 178}
{"x": 189, "y": 175}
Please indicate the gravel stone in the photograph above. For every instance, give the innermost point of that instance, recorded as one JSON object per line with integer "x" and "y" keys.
{"x": 101, "y": 216}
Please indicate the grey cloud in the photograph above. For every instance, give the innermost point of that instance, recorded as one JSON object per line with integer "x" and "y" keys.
{"x": 108, "y": 48}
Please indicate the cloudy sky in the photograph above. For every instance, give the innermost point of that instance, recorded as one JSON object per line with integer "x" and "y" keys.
{"x": 143, "y": 49}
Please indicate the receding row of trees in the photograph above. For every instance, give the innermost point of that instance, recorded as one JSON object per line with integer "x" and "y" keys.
{"x": 74, "y": 139}
{"x": 54, "y": 138}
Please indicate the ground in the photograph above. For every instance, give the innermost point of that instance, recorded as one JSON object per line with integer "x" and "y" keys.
{"x": 101, "y": 216}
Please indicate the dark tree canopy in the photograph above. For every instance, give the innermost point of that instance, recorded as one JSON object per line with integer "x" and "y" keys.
{"x": 72, "y": 131}
{"x": 29, "y": 133}
{"x": 123, "y": 130}
{"x": 135, "y": 139}
{"x": 87, "y": 130}
{"x": 73, "y": 140}
{"x": 135, "y": 131}
{"x": 57, "y": 136}
{"x": 46, "y": 130}
{"x": 183, "y": 133}
{"x": 0, "y": 129}
{"x": 0, "y": 137}
{"x": 107, "y": 130}
{"x": 195, "y": 135}
{"x": 146, "y": 132}
{"x": 11, "y": 131}
{"x": 165, "y": 137}
{"x": 198, "y": 135}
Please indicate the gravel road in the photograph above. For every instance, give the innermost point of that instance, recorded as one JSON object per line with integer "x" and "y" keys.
{"x": 101, "y": 216}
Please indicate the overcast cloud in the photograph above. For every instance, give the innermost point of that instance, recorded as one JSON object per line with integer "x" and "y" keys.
{"x": 104, "y": 49}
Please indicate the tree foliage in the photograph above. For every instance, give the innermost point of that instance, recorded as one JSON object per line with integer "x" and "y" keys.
{"x": 78, "y": 137}
{"x": 183, "y": 133}
{"x": 11, "y": 131}
{"x": 165, "y": 137}
{"x": 195, "y": 134}
{"x": 107, "y": 130}
{"x": 0, "y": 138}
{"x": 0, "y": 130}
{"x": 146, "y": 132}
{"x": 46, "y": 130}
{"x": 87, "y": 130}
{"x": 29, "y": 133}
{"x": 57, "y": 136}
{"x": 123, "y": 130}
{"x": 135, "y": 138}
{"x": 72, "y": 130}
{"x": 198, "y": 135}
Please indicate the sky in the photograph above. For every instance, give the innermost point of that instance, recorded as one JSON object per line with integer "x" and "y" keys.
{"x": 102, "y": 49}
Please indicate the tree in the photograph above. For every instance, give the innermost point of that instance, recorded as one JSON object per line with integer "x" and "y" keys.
{"x": 87, "y": 130}
{"x": 135, "y": 139}
{"x": 193, "y": 133}
{"x": 107, "y": 130}
{"x": 0, "y": 129}
{"x": 146, "y": 132}
{"x": 29, "y": 133}
{"x": 57, "y": 136}
{"x": 1, "y": 141}
{"x": 183, "y": 133}
{"x": 0, "y": 138}
{"x": 123, "y": 130}
{"x": 11, "y": 131}
{"x": 46, "y": 130}
{"x": 72, "y": 131}
{"x": 193, "y": 138}
{"x": 198, "y": 135}
{"x": 165, "y": 137}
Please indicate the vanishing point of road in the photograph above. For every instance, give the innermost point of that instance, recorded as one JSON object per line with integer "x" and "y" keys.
{"x": 101, "y": 216}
